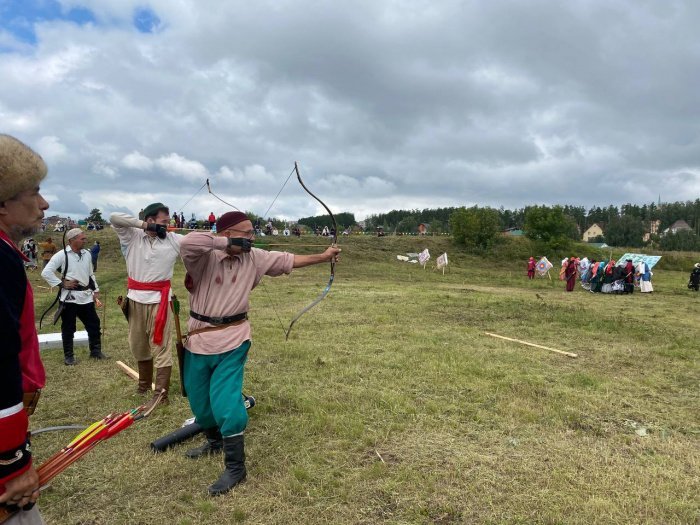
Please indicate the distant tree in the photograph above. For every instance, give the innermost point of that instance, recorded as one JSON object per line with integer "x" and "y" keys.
{"x": 408, "y": 220}
{"x": 95, "y": 217}
{"x": 683, "y": 241}
{"x": 344, "y": 220}
{"x": 625, "y": 231}
{"x": 475, "y": 227}
{"x": 549, "y": 225}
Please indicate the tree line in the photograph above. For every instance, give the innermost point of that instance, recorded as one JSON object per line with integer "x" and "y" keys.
{"x": 555, "y": 226}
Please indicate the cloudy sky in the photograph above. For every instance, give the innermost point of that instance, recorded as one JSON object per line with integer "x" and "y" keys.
{"x": 385, "y": 104}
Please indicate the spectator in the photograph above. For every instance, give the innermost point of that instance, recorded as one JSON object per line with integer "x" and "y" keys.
{"x": 48, "y": 249}
{"x": 29, "y": 250}
{"x": 531, "y": 268}
{"x": 644, "y": 274}
{"x": 79, "y": 291}
{"x": 694, "y": 282}
{"x": 570, "y": 274}
{"x": 95, "y": 253}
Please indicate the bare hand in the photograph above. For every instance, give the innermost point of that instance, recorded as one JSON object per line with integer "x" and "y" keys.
{"x": 332, "y": 253}
{"x": 70, "y": 284}
{"x": 22, "y": 490}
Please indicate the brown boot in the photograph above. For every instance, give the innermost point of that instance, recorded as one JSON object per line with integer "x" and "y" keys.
{"x": 145, "y": 376}
{"x": 163, "y": 382}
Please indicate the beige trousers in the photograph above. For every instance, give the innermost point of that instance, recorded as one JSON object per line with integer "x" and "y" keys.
{"x": 142, "y": 319}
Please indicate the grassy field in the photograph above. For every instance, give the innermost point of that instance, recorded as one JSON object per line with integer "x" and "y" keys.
{"x": 389, "y": 404}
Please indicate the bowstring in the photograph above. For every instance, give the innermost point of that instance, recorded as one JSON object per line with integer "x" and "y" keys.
{"x": 193, "y": 196}
{"x": 268, "y": 294}
{"x": 219, "y": 198}
{"x": 278, "y": 193}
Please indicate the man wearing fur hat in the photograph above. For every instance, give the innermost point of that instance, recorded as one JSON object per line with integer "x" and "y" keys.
{"x": 150, "y": 252}
{"x": 21, "y": 370}
{"x": 222, "y": 269}
{"x": 79, "y": 291}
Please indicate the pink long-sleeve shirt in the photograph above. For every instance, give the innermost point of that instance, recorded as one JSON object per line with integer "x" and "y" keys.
{"x": 219, "y": 286}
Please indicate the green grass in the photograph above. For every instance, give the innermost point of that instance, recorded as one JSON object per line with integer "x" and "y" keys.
{"x": 389, "y": 404}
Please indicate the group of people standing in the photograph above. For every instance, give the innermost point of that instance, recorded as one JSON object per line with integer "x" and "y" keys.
{"x": 601, "y": 276}
{"x": 222, "y": 269}
{"x": 612, "y": 277}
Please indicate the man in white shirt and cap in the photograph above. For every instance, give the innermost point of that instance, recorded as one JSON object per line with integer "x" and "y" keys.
{"x": 79, "y": 292}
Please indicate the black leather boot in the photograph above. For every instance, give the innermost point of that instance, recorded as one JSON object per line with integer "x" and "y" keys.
{"x": 234, "y": 462}
{"x": 96, "y": 351}
{"x": 68, "y": 358}
{"x": 213, "y": 445}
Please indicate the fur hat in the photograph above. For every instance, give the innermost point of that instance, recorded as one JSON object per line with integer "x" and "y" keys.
{"x": 21, "y": 168}
{"x": 697, "y": 265}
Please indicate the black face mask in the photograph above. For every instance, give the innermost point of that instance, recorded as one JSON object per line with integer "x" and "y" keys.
{"x": 245, "y": 244}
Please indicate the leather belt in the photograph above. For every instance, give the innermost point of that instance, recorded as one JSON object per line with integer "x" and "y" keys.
{"x": 220, "y": 320}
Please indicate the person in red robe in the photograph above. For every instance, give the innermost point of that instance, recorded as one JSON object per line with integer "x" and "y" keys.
{"x": 531, "y": 268}
{"x": 570, "y": 274}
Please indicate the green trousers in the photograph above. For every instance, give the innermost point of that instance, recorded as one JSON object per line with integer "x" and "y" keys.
{"x": 214, "y": 386}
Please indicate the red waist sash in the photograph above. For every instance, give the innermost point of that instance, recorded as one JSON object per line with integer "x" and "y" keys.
{"x": 162, "y": 314}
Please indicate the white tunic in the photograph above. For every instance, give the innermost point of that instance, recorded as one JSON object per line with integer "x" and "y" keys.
{"x": 148, "y": 259}
{"x": 79, "y": 269}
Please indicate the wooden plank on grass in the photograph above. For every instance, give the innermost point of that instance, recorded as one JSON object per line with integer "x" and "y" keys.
{"x": 568, "y": 354}
{"x": 133, "y": 374}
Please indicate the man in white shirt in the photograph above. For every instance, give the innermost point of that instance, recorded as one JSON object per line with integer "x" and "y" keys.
{"x": 150, "y": 252}
{"x": 79, "y": 291}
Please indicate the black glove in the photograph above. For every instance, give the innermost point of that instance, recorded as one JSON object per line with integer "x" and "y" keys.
{"x": 244, "y": 244}
{"x": 161, "y": 231}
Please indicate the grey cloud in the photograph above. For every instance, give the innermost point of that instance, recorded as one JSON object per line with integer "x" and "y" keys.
{"x": 408, "y": 104}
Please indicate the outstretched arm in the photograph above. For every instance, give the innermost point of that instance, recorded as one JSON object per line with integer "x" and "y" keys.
{"x": 331, "y": 254}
